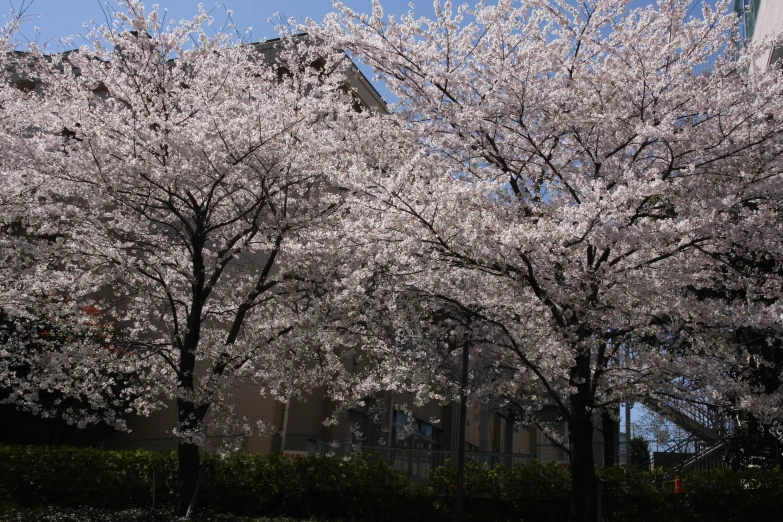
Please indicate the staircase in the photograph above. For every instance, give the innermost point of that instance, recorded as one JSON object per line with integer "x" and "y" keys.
{"x": 709, "y": 458}
{"x": 708, "y": 426}
{"x": 707, "y": 423}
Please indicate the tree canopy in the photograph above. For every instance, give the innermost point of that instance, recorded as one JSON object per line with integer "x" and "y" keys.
{"x": 572, "y": 177}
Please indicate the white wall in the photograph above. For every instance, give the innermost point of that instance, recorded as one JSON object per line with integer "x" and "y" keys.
{"x": 769, "y": 21}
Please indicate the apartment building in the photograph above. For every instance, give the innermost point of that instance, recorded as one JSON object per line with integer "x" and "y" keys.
{"x": 760, "y": 19}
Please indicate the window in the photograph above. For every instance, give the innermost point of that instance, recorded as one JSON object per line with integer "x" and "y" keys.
{"x": 425, "y": 435}
{"x": 776, "y": 55}
{"x": 359, "y": 419}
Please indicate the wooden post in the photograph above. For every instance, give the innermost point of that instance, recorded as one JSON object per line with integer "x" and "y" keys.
{"x": 153, "y": 488}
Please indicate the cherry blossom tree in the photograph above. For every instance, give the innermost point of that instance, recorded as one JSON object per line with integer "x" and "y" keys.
{"x": 12, "y": 192}
{"x": 45, "y": 338}
{"x": 571, "y": 176}
{"x": 184, "y": 177}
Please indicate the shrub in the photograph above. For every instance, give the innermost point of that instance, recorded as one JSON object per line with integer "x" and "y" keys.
{"x": 539, "y": 492}
{"x": 359, "y": 488}
{"x": 745, "y": 494}
{"x": 718, "y": 495}
{"x": 65, "y": 476}
{"x": 356, "y": 488}
{"x": 522, "y": 492}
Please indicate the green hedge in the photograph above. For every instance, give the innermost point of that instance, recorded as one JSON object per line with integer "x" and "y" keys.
{"x": 540, "y": 493}
{"x": 327, "y": 487}
{"x": 718, "y": 495}
{"x": 353, "y": 489}
{"x": 71, "y": 477}
{"x": 361, "y": 489}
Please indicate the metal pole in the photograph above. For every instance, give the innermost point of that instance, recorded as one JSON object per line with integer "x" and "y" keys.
{"x": 390, "y": 442}
{"x": 287, "y": 408}
{"x": 463, "y": 410}
{"x": 627, "y": 433}
{"x": 627, "y": 414}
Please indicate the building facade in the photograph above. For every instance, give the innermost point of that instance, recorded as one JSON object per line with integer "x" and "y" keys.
{"x": 760, "y": 19}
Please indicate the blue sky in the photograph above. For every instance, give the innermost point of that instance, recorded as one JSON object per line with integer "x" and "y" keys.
{"x": 60, "y": 18}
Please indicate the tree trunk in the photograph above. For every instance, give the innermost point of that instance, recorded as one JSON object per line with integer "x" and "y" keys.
{"x": 188, "y": 460}
{"x": 187, "y": 455}
{"x": 188, "y": 415}
{"x": 584, "y": 507}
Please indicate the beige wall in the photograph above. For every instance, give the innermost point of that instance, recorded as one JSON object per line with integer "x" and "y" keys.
{"x": 523, "y": 440}
{"x": 154, "y": 432}
{"x": 305, "y": 426}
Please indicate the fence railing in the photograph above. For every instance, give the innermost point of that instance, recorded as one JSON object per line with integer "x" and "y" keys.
{"x": 710, "y": 458}
{"x": 215, "y": 444}
{"x": 604, "y": 454}
{"x": 418, "y": 464}
{"x": 712, "y": 417}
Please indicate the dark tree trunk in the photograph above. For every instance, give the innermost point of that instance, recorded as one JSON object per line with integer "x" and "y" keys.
{"x": 584, "y": 507}
{"x": 583, "y": 481}
{"x": 188, "y": 414}
{"x": 188, "y": 459}
{"x": 190, "y": 418}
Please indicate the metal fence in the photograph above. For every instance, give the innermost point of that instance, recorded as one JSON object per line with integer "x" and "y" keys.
{"x": 689, "y": 454}
{"x": 711, "y": 458}
{"x": 215, "y": 444}
{"x": 611, "y": 454}
{"x": 418, "y": 464}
